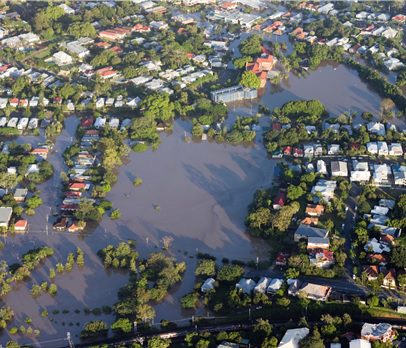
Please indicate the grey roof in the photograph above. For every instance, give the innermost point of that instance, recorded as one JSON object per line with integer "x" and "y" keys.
{"x": 5, "y": 214}
{"x": 309, "y": 231}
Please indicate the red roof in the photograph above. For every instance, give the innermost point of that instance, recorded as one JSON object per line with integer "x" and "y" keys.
{"x": 21, "y": 224}
{"x": 87, "y": 122}
{"x": 280, "y": 199}
{"x": 77, "y": 185}
{"x": 287, "y": 150}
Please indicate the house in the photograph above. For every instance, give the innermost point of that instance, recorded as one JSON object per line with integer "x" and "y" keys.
{"x": 310, "y": 221}
{"x": 324, "y": 189}
{"x": 376, "y": 247}
{"x": 5, "y": 216}
{"x": 262, "y": 285}
{"x": 233, "y": 94}
{"x": 361, "y": 172}
{"x": 321, "y": 167}
{"x": 292, "y": 337}
{"x": 281, "y": 259}
{"x": 61, "y": 224}
{"x": 321, "y": 258}
{"x": 371, "y": 272}
{"x": 382, "y": 148}
{"x": 399, "y": 175}
{"x": 246, "y": 285}
{"x": 274, "y": 285}
{"x": 61, "y": 58}
{"x": 339, "y": 168}
{"x": 377, "y": 332}
{"x": 318, "y": 243}
{"x": 280, "y": 200}
{"x": 377, "y": 259}
{"x": 376, "y": 128}
{"x": 68, "y": 10}
{"x": 20, "y": 194}
{"x": 308, "y": 150}
{"x": 380, "y": 174}
{"x": 41, "y": 152}
{"x": 314, "y": 209}
{"x": 77, "y": 186}
{"x": 389, "y": 279}
{"x": 21, "y": 226}
{"x": 395, "y": 149}
{"x": 333, "y": 149}
{"x": 360, "y": 343}
{"x": 316, "y": 292}
{"x": 372, "y": 148}
{"x": 306, "y": 231}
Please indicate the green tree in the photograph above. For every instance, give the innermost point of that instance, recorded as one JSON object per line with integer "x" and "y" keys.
{"x": 158, "y": 106}
{"x": 295, "y": 192}
{"x": 314, "y": 340}
{"x": 122, "y": 325}
{"x": 157, "y": 342}
{"x": 190, "y": 301}
{"x": 230, "y": 273}
{"x": 251, "y": 46}
{"x": 206, "y": 268}
{"x": 250, "y": 80}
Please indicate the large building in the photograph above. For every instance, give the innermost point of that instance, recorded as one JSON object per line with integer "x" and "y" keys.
{"x": 232, "y": 94}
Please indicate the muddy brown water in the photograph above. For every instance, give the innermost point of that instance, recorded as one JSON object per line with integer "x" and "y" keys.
{"x": 202, "y": 191}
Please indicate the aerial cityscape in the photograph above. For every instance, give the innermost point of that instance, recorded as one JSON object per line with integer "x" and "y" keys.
{"x": 203, "y": 173}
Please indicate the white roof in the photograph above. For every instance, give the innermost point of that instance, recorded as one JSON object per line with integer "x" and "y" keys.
{"x": 360, "y": 343}
{"x": 292, "y": 337}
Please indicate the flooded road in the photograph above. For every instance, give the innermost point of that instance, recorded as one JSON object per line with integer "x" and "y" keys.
{"x": 196, "y": 193}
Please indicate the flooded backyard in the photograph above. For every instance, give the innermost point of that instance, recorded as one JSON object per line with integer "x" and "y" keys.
{"x": 202, "y": 190}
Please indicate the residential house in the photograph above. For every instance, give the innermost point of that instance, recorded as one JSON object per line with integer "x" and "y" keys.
{"x": 361, "y": 172}
{"x": 310, "y": 221}
{"x": 306, "y": 231}
{"x": 333, "y": 149}
{"x": 318, "y": 243}
{"x": 382, "y": 148}
{"x": 61, "y": 58}
{"x": 321, "y": 258}
{"x": 246, "y": 285}
{"x": 5, "y": 216}
{"x": 339, "y": 168}
{"x": 208, "y": 285}
{"x": 281, "y": 259}
{"x": 292, "y": 337}
{"x": 314, "y": 210}
{"x": 377, "y": 332}
{"x": 315, "y": 292}
{"x": 20, "y": 194}
{"x": 321, "y": 167}
{"x": 399, "y": 175}
{"x": 262, "y": 285}
{"x": 274, "y": 285}
{"x": 380, "y": 174}
{"x": 371, "y": 272}
{"x": 20, "y": 226}
{"x": 280, "y": 200}
{"x": 376, "y": 128}
{"x": 41, "y": 152}
{"x": 395, "y": 149}
{"x": 360, "y": 343}
{"x": 372, "y": 148}
{"x": 324, "y": 189}
{"x": 389, "y": 279}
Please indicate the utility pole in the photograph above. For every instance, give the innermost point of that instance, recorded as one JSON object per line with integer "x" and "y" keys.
{"x": 69, "y": 339}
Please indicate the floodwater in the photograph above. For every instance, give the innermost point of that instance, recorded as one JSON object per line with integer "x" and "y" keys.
{"x": 195, "y": 193}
